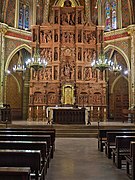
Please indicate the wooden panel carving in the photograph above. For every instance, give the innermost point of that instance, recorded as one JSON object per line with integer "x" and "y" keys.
{"x": 70, "y": 45}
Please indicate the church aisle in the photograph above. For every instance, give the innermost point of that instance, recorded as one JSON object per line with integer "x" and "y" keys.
{"x": 79, "y": 159}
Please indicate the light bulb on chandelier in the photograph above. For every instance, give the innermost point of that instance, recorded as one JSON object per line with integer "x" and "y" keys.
{"x": 36, "y": 62}
{"x": 103, "y": 63}
{"x": 19, "y": 67}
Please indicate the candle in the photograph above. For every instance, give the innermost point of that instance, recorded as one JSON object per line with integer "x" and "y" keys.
{"x": 30, "y": 108}
{"x": 43, "y": 107}
{"x": 37, "y": 107}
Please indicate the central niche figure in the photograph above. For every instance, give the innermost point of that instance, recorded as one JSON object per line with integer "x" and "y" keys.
{"x": 67, "y": 3}
{"x": 67, "y": 70}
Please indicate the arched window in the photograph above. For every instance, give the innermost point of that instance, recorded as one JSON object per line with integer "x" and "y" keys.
{"x": 110, "y": 15}
{"x": 23, "y": 16}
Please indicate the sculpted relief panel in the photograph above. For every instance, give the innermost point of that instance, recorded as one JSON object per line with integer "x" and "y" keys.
{"x": 69, "y": 45}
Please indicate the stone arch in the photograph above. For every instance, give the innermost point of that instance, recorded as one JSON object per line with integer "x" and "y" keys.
{"x": 116, "y": 80}
{"x": 18, "y": 84}
{"x": 120, "y": 51}
{"x": 61, "y": 3}
{"x": 25, "y": 46}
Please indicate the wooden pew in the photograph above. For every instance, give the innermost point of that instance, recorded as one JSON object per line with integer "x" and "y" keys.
{"x": 51, "y": 133}
{"x": 130, "y": 162}
{"x": 43, "y": 129}
{"x": 9, "y": 137}
{"x": 122, "y": 149}
{"x": 102, "y": 136}
{"x": 23, "y": 158}
{"x": 110, "y": 143}
{"x": 46, "y": 129}
{"x": 28, "y": 145}
{"x": 15, "y": 173}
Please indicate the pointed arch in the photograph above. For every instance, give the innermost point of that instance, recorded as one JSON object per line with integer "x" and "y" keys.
{"x": 108, "y": 47}
{"x": 23, "y": 46}
{"x": 16, "y": 80}
{"x": 61, "y": 3}
{"x": 116, "y": 80}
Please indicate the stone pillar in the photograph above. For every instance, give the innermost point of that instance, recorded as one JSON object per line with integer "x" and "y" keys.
{"x": 3, "y": 30}
{"x": 34, "y": 13}
{"x": 100, "y": 18}
{"x": 119, "y": 19}
{"x": 131, "y": 32}
{"x": 16, "y": 13}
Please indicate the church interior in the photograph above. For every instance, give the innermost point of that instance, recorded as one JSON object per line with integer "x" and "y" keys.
{"x": 68, "y": 64}
{"x": 69, "y": 39}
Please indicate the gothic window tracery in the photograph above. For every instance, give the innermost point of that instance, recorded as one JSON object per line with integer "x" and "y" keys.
{"x": 110, "y": 15}
{"x": 23, "y": 16}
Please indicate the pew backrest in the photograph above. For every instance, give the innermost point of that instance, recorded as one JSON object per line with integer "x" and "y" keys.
{"x": 15, "y": 173}
{"x": 111, "y": 136}
{"x": 23, "y": 132}
{"x": 21, "y": 158}
{"x": 26, "y": 145}
{"x": 123, "y": 142}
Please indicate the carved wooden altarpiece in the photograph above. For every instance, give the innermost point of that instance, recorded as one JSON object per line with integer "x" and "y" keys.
{"x": 69, "y": 44}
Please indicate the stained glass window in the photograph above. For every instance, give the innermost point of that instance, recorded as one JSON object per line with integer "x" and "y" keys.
{"x": 23, "y": 16}
{"x": 110, "y": 15}
{"x": 114, "y": 16}
{"x": 107, "y": 17}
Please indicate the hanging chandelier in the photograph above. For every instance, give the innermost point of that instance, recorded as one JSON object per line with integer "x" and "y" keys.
{"x": 103, "y": 63}
{"x": 19, "y": 67}
{"x": 115, "y": 67}
{"x": 36, "y": 62}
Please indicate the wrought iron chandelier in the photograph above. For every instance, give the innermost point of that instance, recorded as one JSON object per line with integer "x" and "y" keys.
{"x": 19, "y": 67}
{"x": 103, "y": 63}
{"x": 115, "y": 67}
{"x": 36, "y": 62}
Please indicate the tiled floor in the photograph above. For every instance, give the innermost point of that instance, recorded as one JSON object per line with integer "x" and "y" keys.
{"x": 79, "y": 159}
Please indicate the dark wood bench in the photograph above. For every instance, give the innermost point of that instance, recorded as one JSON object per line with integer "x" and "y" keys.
{"x": 110, "y": 143}
{"x": 28, "y": 145}
{"x": 46, "y": 129}
{"x": 122, "y": 149}
{"x": 15, "y": 173}
{"x": 23, "y": 158}
{"x": 102, "y": 136}
{"x": 130, "y": 161}
{"x": 11, "y": 137}
{"x": 35, "y": 132}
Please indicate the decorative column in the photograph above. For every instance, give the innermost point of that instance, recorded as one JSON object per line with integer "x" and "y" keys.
{"x": 131, "y": 32}
{"x": 99, "y": 6}
{"x": 34, "y": 13}
{"x": 46, "y": 11}
{"x": 3, "y": 30}
{"x": 88, "y": 10}
{"x": 16, "y": 13}
{"x": 119, "y": 11}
